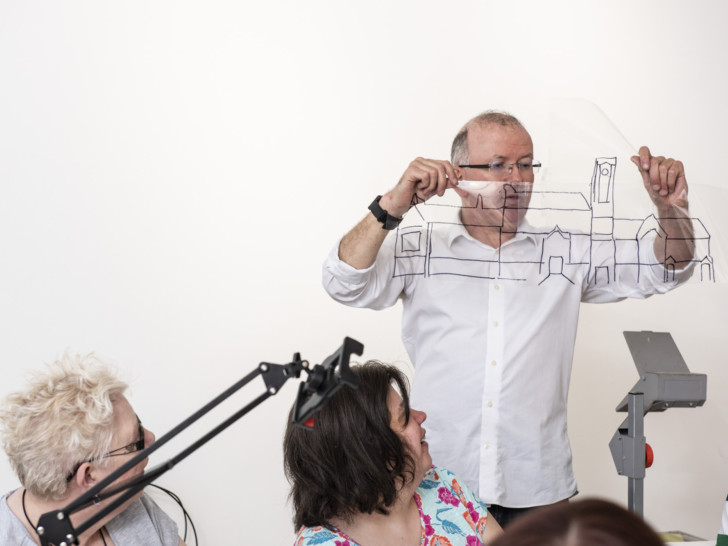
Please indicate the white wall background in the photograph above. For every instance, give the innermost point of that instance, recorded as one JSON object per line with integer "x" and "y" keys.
{"x": 172, "y": 174}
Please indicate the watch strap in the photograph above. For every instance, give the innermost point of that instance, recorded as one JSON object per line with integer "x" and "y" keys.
{"x": 388, "y": 221}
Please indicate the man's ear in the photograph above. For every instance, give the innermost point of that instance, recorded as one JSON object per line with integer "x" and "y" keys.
{"x": 460, "y": 173}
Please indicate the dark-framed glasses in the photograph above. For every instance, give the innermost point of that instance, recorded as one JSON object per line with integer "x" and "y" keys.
{"x": 500, "y": 168}
{"x": 136, "y": 445}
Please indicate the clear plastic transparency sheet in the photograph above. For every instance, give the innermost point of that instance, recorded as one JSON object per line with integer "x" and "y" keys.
{"x": 588, "y": 212}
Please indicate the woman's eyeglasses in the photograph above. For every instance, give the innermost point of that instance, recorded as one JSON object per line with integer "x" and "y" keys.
{"x": 136, "y": 445}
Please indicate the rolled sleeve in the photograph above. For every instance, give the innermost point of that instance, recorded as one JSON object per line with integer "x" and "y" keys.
{"x": 373, "y": 287}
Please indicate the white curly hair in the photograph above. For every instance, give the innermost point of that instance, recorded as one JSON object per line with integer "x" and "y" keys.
{"x": 65, "y": 416}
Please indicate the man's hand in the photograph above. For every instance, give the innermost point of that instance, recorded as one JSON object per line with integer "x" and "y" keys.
{"x": 664, "y": 179}
{"x": 665, "y": 182}
{"x": 423, "y": 178}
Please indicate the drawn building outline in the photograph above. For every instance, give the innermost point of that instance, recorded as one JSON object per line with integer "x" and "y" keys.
{"x": 416, "y": 252}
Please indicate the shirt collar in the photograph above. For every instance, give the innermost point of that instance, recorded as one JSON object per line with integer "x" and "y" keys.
{"x": 525, "y": 232}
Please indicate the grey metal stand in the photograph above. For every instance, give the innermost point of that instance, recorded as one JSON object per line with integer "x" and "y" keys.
{"x": 665, "y": 382}
{"x": 636, "y": 482}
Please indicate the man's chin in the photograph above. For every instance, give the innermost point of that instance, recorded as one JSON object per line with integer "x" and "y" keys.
{"x": 512, "y": 218}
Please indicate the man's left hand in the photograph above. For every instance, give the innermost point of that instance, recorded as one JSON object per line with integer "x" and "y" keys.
{"x": 664, "y": 179}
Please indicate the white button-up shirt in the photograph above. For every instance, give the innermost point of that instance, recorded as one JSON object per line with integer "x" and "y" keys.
{"x": 491, "y": 335}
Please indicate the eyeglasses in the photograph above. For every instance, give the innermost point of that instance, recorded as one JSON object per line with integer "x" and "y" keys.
{"x": 133, "y": 447}
{"x": 129, "y": 448}
{"x": 499, "y": 168}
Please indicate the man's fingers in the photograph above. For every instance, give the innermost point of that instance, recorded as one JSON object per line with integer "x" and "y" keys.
{"x": 656, "y": 178}
{"x": 664, "y": 178}
{"x": 452, "y": 176}
{"x": 669, "y": 173}
{"x": 433, "y": 176}
{"x": 645, "y": 157}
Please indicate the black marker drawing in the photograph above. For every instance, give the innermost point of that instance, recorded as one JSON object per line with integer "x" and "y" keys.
{"x": 595, "y": 239}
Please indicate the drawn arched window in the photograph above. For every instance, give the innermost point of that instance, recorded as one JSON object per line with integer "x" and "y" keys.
{"x": 556, "y": 245}
{"x": 669, "y": 272}
{"x": 706, "y": 270}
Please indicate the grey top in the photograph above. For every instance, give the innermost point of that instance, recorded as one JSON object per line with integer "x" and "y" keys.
{"x": 143, "y": 523}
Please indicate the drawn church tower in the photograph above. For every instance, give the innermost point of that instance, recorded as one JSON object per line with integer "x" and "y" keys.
{"x": 602, "y": 217}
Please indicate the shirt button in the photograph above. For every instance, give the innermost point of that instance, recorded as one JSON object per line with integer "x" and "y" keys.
{"x": 486, "y": 446}
{"x": 490, "y": 404}
{"x": 496, "y": 287}
{"x": 493, "y": 363}
{"x": 495, "y": 323}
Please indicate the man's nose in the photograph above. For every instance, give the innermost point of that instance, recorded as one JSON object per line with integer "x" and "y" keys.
{"x": 515, "y": 174}
{"x": 420, "y": 416}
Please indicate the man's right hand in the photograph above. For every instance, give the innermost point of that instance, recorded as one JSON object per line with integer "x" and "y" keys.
{"x": 423, "y": 178}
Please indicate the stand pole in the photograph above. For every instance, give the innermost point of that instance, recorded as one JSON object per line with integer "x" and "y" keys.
{"x": 636, "y": 424}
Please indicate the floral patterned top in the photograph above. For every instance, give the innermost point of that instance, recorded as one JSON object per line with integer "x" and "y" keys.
{"x": 450, "y": 515}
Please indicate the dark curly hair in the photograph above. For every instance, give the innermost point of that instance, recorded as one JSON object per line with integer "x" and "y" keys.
{"x": 588, "y": 522}
{"x": 351, "y": 461}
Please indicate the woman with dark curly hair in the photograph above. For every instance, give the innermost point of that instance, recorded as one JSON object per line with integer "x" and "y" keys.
{"x": 363, "y": 475}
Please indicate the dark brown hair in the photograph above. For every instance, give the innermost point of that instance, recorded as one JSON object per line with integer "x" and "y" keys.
{"x": 351, "y": 461}
{"x": 589, "y": 522}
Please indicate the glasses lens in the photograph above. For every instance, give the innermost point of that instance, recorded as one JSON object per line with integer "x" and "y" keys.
{"x": 139, "y": 445}
{"x": 528, "y": 167}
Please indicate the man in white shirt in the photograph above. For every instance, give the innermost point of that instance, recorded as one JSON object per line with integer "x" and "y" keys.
{"x": 489, "y": 329}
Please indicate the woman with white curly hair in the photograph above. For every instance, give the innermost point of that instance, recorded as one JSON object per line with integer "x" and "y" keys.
{"x": 69, "y": 429}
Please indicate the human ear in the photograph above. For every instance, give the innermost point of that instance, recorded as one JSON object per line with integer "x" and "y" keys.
{"x": 86, "y": 476}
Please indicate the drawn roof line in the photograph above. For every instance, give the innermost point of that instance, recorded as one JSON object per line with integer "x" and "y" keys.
{"x": 697, "y": 223}
{"x": 557, "y": 229}
{"x": 576, "y": 194}
{"x": 548, "y": 230}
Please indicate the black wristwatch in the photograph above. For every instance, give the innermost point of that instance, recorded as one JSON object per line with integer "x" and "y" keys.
{"x": 388, "y": 221}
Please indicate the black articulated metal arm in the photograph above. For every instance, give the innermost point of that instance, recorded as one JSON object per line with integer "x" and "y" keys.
{"x": 55, "y": 528}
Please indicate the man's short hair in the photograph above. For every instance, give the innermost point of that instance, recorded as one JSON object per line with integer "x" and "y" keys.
{"x": 459, "y": 149}
{"x": 351, "y": 461}
{"x": 63, "y": 417}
